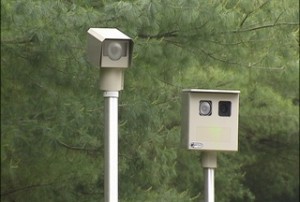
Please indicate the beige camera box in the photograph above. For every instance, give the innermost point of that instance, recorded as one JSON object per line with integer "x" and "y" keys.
{"x": 210, "y": 119}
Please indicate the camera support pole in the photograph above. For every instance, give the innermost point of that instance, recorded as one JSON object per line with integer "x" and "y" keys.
{"x": 111, "y": 82}
{"x": 209, "y": 163}
{"x": 111, "y": 146}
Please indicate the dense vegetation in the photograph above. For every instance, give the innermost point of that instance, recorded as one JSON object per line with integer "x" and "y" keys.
{"x": 51, "y": 107}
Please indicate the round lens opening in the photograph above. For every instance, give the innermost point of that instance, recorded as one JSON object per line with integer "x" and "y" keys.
{"x": 205, "y": 108}
{"x": 114, "y": 50}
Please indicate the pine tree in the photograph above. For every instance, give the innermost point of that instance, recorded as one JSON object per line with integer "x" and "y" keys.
{"x": 52, "y": 110}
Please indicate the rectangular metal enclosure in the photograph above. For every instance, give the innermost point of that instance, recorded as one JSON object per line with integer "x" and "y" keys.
{"x": 210, "y": 119}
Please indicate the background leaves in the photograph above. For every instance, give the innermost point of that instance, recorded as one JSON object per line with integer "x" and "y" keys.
{"x": 52, "y": 111}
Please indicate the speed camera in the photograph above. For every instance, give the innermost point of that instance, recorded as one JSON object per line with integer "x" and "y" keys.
{"x": 109, "y": 48}
{"x": 210, "y": 119}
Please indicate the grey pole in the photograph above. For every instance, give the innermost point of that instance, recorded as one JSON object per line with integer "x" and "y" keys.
{"x": 209, "y": 163}
{"x": 111, "y": 146}
{"x": 209, "y": 190}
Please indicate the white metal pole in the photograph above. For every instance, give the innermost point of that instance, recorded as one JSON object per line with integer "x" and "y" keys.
{"x": 111, "y": 146}
{"x": 209, "y": 190}
{"x": 209, "y": 163}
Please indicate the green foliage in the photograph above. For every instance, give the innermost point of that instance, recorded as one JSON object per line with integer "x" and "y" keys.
{"x": 51, "y": 108}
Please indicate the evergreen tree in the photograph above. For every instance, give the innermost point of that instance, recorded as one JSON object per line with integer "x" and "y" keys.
{"x": 51, "y": 107}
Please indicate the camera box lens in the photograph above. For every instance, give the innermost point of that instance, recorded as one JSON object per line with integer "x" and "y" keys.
{"x": 224, "y": 108}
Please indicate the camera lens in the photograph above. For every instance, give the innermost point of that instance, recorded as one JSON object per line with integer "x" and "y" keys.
{"x": 205, "y": 108}
{"x": 224, "y": 108}
{"x": 114, "y": 50}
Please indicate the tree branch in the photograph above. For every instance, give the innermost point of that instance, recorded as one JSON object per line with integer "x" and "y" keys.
{"x": 266, "y": 26}
{"x": 77, "y": 148}
{"x": 24, "y": 188}
{"x": 159, "y": 35}
{"x": 218, "y": 59}
{"x": 23, "y": 40}
{"x": 253, "y": 11}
